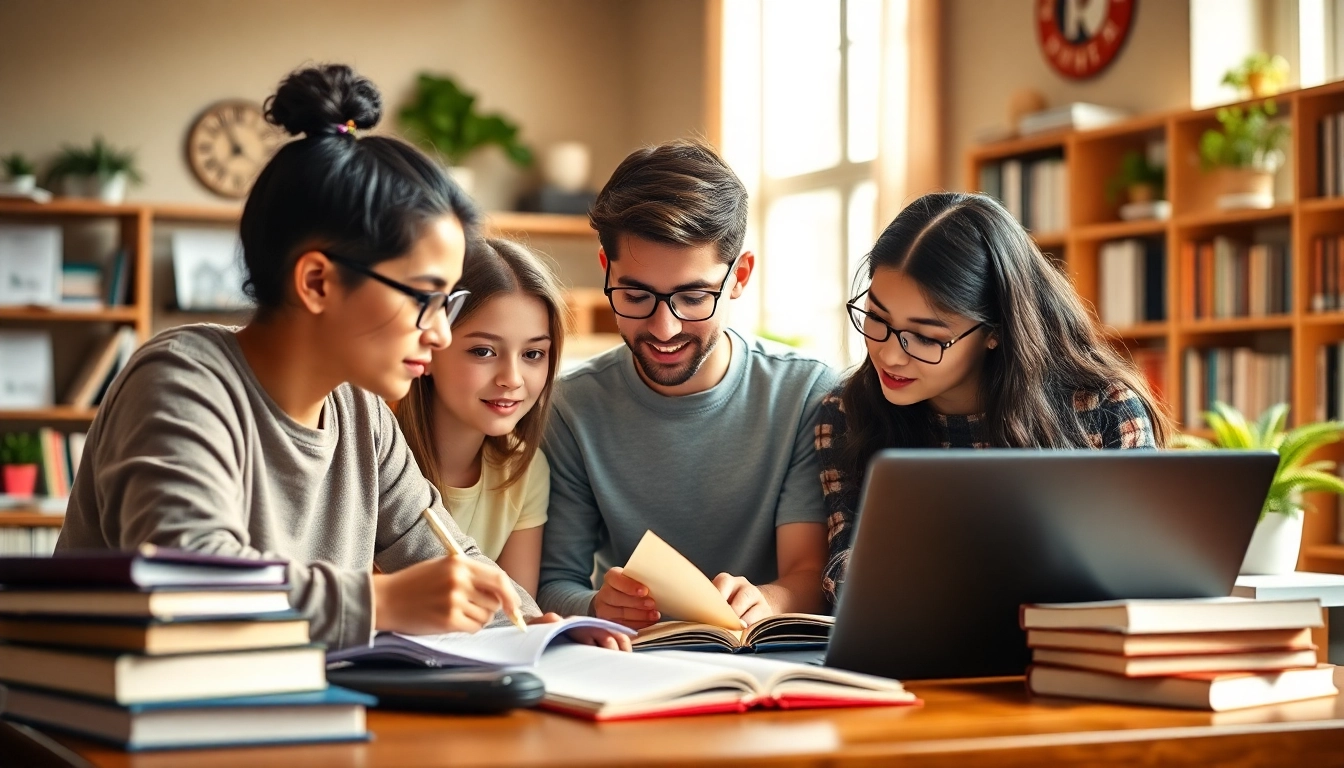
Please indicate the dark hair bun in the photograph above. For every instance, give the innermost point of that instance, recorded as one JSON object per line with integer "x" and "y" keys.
{"x": 314, "y": 101}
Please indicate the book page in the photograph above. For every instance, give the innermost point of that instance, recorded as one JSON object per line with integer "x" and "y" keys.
{"x": 774, "y": 676}
{"x": 691, "y": 630}
{"x": 582, "y": 673}
{"x": 494, "y": 647}
{"x": 680, "y": 590}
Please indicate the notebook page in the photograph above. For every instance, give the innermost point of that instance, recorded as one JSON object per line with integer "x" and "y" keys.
{"x": 584, "y": 673}
{"x": 494, "y": 647}
{"x": 775, "y": 676}
{"x": 677, "y": 586}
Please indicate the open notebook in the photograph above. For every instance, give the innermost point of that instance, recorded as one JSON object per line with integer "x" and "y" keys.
{"x": 700, "y": 617}
{"x": 606, "y": 685}
{"x": 493, "y": 647}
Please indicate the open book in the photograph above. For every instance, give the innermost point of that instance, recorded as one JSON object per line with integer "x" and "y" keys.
{"x": 605, "y": 685}
{"x": 701, "y": 618}
{"x": 785, "y": 631}
{"x": 493, "y": 647}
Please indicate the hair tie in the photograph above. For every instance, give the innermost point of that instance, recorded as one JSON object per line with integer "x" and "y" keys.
{"x": 347, "y": 127}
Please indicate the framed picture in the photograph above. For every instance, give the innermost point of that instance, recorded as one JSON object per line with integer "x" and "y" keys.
{"x": 208, "y": 270}
{"x": 25, "y": 370}
{"x": 30, "y": 265}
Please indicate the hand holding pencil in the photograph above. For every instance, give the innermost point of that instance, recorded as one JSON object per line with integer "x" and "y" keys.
{"x": 506, "y": 596}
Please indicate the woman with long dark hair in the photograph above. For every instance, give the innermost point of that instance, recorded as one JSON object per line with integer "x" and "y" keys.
{"x": 974, "y": 340}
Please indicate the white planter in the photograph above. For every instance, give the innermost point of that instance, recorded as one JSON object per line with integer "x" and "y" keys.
{"x": 22, "y": 185}
{"x": 1274, "y": 545}
{"x": 111, "y": 189}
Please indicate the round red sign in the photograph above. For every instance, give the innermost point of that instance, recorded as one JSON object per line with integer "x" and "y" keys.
{"x": 1080, "y": 38}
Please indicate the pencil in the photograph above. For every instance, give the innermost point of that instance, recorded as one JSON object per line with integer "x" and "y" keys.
{"x": 455, "y": 550}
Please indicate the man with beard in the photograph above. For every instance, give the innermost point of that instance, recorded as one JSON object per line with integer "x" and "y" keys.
{"x": 691, "y": 429}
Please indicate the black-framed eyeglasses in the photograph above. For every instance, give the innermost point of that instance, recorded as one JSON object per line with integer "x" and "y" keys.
{"x": 430, "y": 301}
{"x": 689, "y": 306}
{"x": 916, "y": 345}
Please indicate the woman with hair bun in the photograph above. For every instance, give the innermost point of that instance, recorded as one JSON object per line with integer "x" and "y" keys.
{"x": 275, "y": 440}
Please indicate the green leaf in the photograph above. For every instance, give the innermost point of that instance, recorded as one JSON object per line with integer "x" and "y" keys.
{"x": 444, "y": 117}
{"x": 1270, "y": 424}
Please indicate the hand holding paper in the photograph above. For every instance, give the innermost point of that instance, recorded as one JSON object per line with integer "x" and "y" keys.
{"x": 677, "y": 587}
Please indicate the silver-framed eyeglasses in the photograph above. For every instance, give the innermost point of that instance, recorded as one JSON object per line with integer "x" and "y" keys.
{"x": 915, "y": 344}
{"x": 689, "y": 306}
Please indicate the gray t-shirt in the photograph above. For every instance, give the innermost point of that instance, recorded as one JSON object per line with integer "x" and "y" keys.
{"x": 189, "y": 451}
{"x": 713, "y": 473}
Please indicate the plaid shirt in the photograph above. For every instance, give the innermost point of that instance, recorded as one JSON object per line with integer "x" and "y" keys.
{"x": 1115, "y": 418}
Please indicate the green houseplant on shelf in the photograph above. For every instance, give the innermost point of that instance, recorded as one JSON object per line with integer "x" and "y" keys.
{"x": 1244, "y": 154}
{"x": 100, "y": 171}
{"x": 21, "y": 176}
{"x": 1259, "y": 75}
{"x": 19, "y": 455}
{"x": 445, "y": 117}
{"x": 1278, "y": 534}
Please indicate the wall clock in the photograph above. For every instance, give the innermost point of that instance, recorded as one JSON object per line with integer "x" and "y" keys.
{"x": 228, "y": 144}
{"x": 1080, "y": 38}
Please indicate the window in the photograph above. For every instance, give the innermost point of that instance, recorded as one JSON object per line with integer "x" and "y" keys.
{"x": 800, "y": 97}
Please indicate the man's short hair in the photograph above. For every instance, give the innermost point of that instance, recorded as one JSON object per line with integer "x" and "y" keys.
{"x": 678, "y": 193}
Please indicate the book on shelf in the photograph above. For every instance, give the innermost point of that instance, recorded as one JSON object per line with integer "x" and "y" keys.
{"x": 54, "y": 466}
{"x": 1215, "y": 691}
{"x": 1327, "y": 273}
{"x": 1152, "y": 666}
{"x": 157, "y": 603}
{"x": 1132, "y": 282}
{"x": 144, "y": 567}
{"x": 1033, "y": 189}
{"x": 81, "y": 284}
{"x": 1235, "y": 279}
{"x": 1173, "y": 644}
{"x": 1152, "y": 363}
{"x": 1211, "y": 614}
{"x": 600, "y": 684}
{"x": 30, "y": 264}
{"x": 332, "y": 714}
{"x": 1155, "y": 210}
{"x": 785, "y": 631}
{"x": 28, "y": 540}
{"x": 118, "y": 283}
{"x": 1078, "y": 116}
{"x": 490, "y": 647}
{"x": 127, "y": 678}
{"x": 102, "y": 365}
{"x": 1249, "y": 380}
{"x": 158, "y": 637}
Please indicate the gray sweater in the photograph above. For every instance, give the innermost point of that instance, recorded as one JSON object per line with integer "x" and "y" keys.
{"x": 189, "y": 451}
{"x": 713, "y": 473}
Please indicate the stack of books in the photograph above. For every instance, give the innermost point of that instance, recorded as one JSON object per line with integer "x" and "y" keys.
{"x": 1214, "y": 654}
{"x": 164, "y": 649}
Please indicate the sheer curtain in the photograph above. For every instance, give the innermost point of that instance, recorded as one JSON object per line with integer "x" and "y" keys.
{"x": 828, "y": 111}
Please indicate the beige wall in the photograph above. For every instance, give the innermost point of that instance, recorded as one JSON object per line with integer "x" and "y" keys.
{"x": 990, "y": 51}
{"x": 612, "y": 73}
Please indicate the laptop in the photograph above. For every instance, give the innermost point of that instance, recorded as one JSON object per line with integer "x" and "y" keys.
{"x": 951, "y": 542}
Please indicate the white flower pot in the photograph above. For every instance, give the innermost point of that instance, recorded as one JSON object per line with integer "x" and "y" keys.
{"x": 22, "y": 185}
{"x": 1274, "y": 545}
{"x": 109, "y": 190}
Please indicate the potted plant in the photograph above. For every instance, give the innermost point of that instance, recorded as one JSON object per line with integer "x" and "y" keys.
{"x": 21, "y": 175}
{"x": 1142, "y": 185}
{"x": 1244, "y": 154}
{"x": 101, "y": 171}
{"x": 1278, "y": 534}
{"x": 445, "y": 117}
{"x": 19, "y": 454}
{"x": 1258, "y": 76}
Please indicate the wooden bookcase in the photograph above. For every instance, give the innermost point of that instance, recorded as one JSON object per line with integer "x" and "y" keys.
{"x": 132, "y": 226}
{"x": 1092, "y": 158}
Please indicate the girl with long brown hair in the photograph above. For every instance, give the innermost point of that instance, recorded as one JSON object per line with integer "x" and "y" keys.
{"x": 475, "y": 422}
{"x": 975, "y": 340}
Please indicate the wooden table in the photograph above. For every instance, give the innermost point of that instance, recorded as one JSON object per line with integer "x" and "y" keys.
{"x": 963, "y": 723}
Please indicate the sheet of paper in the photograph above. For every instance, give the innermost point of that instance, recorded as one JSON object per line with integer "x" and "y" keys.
{"x": 680, "y": 590}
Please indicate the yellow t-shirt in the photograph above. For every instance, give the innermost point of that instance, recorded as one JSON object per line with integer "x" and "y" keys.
{"x": 489, "y": 514}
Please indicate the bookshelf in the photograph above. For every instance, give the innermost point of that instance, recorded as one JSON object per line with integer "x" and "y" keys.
{"x": 1300, "y": 214}
{"x": 94, "y": 230}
